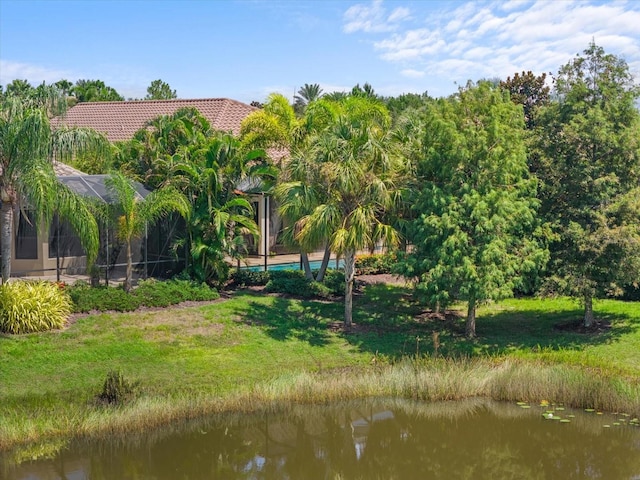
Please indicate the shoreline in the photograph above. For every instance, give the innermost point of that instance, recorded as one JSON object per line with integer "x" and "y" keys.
{"x": 427, "y": 380}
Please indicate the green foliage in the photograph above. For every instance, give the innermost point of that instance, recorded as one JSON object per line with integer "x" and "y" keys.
{"x": 95, "y": 91}
{"x": 334, "y": 281}
{"x": 28, "y": 144}
{"x": 293, "y": 282}
{"x": 307, "y": 94}
{"x": 159, "y": 90}
{"x": 376, "y": 263}
{"x": 340, "y": 183}
{"x": 221, "y": 215}
{"x": 133, "y": 214}
{"x": 529, "y": 91}
{"x": 154, "y": 293}
{"x": 86, "y": 299}
{"x": 182, "y": 151}
{"x": 588, "y": 159}
{"x": 476, "y": 208}
{"x": 249, "y": 278}
{"x": 398, "y": 105}
{"x": 117, "y": 390}
{"x": 27, "y": 307}
{"x": 149, "y": 293}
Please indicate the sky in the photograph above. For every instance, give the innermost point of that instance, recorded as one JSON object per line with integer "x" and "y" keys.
{"x": 246, "y": 49}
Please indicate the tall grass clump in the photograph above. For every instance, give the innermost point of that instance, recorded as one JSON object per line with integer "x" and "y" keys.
{"x": 27, "y": 307}
{"x": 116, "y": 389}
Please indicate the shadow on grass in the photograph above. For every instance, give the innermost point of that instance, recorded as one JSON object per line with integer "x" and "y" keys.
{"x": 389, "y": 322}
{"x": 285, "y": 318}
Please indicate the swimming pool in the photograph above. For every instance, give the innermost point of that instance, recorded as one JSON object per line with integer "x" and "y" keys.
{"x": 315, "y": 265}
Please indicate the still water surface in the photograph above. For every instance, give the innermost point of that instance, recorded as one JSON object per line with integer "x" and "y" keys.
{"x": 379, "y": 439}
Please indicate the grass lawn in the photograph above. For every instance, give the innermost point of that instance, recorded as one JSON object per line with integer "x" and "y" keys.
{"x": 229, "y": 346}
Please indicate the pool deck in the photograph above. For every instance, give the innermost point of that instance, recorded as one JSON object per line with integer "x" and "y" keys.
{"x": 118, "y": 277}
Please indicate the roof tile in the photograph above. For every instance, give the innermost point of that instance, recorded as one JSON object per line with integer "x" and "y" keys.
{"x": 121, "y": 120}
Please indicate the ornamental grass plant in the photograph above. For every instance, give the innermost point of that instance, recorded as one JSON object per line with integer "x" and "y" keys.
{"x": 27, "y": 307}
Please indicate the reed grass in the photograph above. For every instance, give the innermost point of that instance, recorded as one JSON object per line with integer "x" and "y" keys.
{"x": 429, "y": 380}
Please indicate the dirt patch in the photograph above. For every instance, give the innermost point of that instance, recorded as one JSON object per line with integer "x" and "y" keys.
{"x": 577, "y": 326}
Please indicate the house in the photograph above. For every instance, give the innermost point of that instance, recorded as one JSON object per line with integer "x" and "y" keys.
{"x": 119, "y": 121}
{"x": 42, "y": 250}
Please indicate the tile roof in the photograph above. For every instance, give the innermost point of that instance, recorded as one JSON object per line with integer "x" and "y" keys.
{"x": 120, "y": 120}
{"x": 64, "y": 170}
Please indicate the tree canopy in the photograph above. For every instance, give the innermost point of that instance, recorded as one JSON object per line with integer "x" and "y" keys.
{"x": 340, "y": 181}
{"x": 95, "y": 91}
{"x": 159, "y": 90}
{"x": 589, "y": 146}
{"x": 476, "y": 205}
{"x": 530, "y": 91}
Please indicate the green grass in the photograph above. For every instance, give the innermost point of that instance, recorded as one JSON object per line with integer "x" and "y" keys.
{"x": 252, "y": 347}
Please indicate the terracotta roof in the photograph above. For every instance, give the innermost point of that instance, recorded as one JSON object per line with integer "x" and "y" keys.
{"x": 64, "y": 170}
{"x": 120, "y": 120}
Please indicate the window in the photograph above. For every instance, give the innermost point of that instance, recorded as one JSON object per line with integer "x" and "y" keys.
{"x": 26, "y": 237}
{"x": 63, "y": 241}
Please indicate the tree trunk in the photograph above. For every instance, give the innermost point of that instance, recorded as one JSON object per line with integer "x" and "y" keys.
{"x": 305, "y": 265}
{"x": 6, "y": 228}
{"x": 589, "y": 320}
{"x": 325, "y": 264}
{"x": 349, "y": 275}
{"x": 470, "y": 327}
{"x": 129, "y": 273}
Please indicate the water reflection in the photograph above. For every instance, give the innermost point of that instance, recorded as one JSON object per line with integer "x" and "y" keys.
{"x": 476, "y": 439}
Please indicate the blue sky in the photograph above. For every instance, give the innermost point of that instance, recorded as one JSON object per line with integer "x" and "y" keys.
{"x": 245, "y": 49}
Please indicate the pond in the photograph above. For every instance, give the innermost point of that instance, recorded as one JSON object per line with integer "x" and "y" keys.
{"x": 373, "y": 439}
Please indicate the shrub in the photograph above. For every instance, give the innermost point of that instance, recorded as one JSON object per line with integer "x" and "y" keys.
{"x": 288, "y": 281}
{"x": 376, "y": 263}
{"x": 334, "y": 281}
{"x": 27, "y": 307}
{"x": 152, "y": 293}
{"x": 87, "y": 298}
{"x": 249, "y": 278}
{"x": 293, "y": 282}
{"x": 116, "y": 389}
{"x": 148, "y": 293}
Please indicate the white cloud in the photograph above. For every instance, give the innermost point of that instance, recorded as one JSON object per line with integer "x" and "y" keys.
{"x": 35, "y": 74}
{"x": 495, "y": 39}
{"x": 373, "y": 18}
{"x": 411, "y": 73}
{"x": 399, "y": 14}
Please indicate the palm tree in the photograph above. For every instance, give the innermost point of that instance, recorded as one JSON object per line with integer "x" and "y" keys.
{"x": 276, "y": 127}
{"x": 272, "y": 127}
{"x": 209, "y": 175}
{"x": 348, "y": 186}
{"x": 306, "y": 95}
{"x": 135, "y": 213}
{"x": 148, "y": 156}
{"x": 27, "y": 146}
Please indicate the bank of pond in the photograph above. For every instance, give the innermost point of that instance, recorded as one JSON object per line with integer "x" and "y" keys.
{"x": 365, "y": 439}
{"x": 109, "y": 379}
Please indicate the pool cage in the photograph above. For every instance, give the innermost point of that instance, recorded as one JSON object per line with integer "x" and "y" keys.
{"x": 154, "y": 255}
